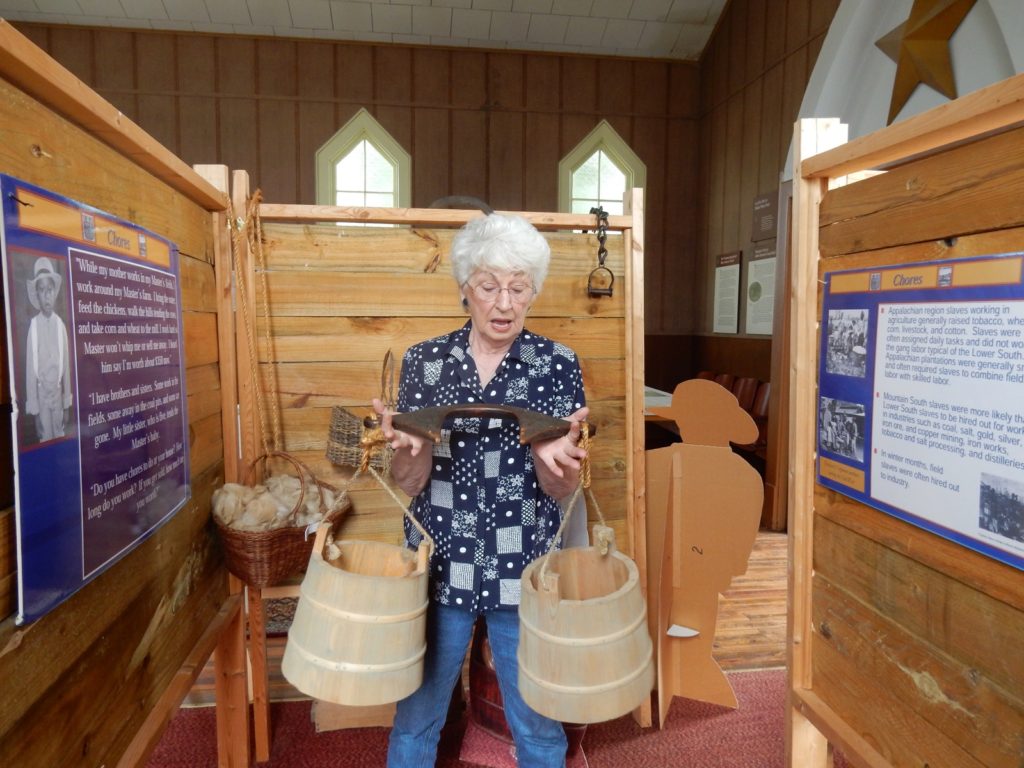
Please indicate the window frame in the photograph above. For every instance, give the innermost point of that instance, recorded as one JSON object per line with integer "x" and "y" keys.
{"x": 362, "y": 126}
{"x": 602, "y": 138}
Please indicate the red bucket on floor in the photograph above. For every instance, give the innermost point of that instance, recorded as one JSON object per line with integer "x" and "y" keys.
{"x": 486, "y": 708}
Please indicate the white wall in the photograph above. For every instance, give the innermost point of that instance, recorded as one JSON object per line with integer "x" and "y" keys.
{"x": 852, "y": 79}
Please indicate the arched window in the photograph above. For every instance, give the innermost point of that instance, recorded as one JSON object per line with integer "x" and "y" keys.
{"x": 362, "y": 166}
{"x": 598, "y": 171}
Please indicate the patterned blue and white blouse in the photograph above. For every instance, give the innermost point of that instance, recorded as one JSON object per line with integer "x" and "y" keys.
{"x": 483, "y": 505}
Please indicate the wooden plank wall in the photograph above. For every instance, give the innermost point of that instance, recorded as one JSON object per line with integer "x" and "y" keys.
{"x": 341, "y": 296}
{"x": 753, "y": 76}
{"x": 121, "y": 639}
{"x": 492, "y": 124}
{"x": 911, "y": 633}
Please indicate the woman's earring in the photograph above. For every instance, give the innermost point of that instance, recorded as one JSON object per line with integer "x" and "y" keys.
{"x": 465, "y": 303}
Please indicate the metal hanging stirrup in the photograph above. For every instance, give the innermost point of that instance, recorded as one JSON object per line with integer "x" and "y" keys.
{"x": 599, "y": 289}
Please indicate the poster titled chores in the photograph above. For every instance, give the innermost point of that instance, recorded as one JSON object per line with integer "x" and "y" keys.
{"x": 94, "y": 339}
{"x": 921, "y": 396}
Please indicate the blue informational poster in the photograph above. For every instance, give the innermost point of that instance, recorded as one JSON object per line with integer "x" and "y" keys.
{"x": 94, "y": 336}
{"x": 921, "y": 396}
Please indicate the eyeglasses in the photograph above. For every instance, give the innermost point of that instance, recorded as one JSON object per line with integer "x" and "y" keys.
{"x": 518, "y": 293}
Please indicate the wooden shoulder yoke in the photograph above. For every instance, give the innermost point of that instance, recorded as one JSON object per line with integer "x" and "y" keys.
{"x": 533, "y": 426}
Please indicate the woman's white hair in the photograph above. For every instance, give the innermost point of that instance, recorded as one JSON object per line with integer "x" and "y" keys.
{"x": 500, "y": 242}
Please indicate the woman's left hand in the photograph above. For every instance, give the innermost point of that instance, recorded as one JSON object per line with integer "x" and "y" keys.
{"x": 558, "y": 460}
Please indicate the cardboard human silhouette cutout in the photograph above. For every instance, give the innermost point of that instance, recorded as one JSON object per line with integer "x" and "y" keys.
{"x": 703, "y": 511}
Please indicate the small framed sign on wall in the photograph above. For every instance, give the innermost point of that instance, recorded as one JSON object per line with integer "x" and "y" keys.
{"x": 727, "y": 292}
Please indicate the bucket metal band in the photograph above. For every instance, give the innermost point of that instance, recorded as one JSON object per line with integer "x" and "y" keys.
{"x": 585, "y": 641}
{"x": 351, "y": 666}
{"x": 579, "y": 690}
{"x": 366, "y": 618}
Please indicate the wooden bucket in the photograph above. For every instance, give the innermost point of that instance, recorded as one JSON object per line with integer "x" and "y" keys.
{"x": 585, "y": 655}
{"x": 359, "y": 632}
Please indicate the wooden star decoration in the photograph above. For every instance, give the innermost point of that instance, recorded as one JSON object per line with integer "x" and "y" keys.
{"x": 920, "y": 48}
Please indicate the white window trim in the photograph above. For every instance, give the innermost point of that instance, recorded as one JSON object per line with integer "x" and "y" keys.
{"x": 603, "y": 137}
{"x": 361, "y": 126}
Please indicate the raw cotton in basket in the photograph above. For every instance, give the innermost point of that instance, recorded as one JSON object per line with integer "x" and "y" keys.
{"x": 271, "y": 505}
{"x": 229, "y": 502}
{"x": 285, "y": 488}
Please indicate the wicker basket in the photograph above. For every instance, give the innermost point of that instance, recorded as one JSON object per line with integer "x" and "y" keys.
{"x": 344, "y": 442}
{"x": 267, "y": 558}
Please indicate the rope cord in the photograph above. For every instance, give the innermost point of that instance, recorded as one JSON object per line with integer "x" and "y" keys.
{"x": 405, "y": 511}
{"x": 255, "y": 234}
{"x": 584, "y": 483}
{"x": 241, "y": 283}
{"x": 249, "y": 232}
{"x": 371, "y": 441}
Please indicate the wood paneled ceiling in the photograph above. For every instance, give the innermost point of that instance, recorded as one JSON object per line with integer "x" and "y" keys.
{"x": 666, "y": 29}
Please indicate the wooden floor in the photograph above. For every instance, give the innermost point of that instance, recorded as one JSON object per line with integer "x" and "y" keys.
{"x": 751, "y": 631}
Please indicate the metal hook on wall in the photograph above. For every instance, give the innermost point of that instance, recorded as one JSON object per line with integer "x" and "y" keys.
{"x": 601, "y": 280}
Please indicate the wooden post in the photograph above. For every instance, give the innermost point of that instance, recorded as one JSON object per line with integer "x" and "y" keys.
{"x": 636, "y": 478}
{"x": 776, "y": 514}
{"x": 260, "y": 679}
{"x": 234, "y": 718}
{"x": 811, "y": 137}
{"x": 231, "y": 691}
{"x": 251, "y": 445}
{"x": 227, "y": 365}
{"x": 251, "y": 429}
{"x": 231, "y": 688}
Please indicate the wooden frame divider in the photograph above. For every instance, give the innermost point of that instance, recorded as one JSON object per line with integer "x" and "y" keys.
{"x": 60, "y": 131}
{"x": 35, "y": 72}
{"x": 249, "y": 436}
{"x": 814, "y": 726}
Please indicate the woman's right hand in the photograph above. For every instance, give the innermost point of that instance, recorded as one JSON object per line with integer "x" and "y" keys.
{"x": 410, "y": 466}
{"x": 396, "y": 438}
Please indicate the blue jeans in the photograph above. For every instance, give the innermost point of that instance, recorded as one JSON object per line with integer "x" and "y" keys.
{"x": 540, "y": 742}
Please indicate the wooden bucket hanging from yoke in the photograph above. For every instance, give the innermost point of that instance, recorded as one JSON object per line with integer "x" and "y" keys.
{"x": 359, "y": 632}
{"x": 585, "y": 655}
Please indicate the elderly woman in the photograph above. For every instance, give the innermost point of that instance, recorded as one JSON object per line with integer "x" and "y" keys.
{"x": 490, "y": 504}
